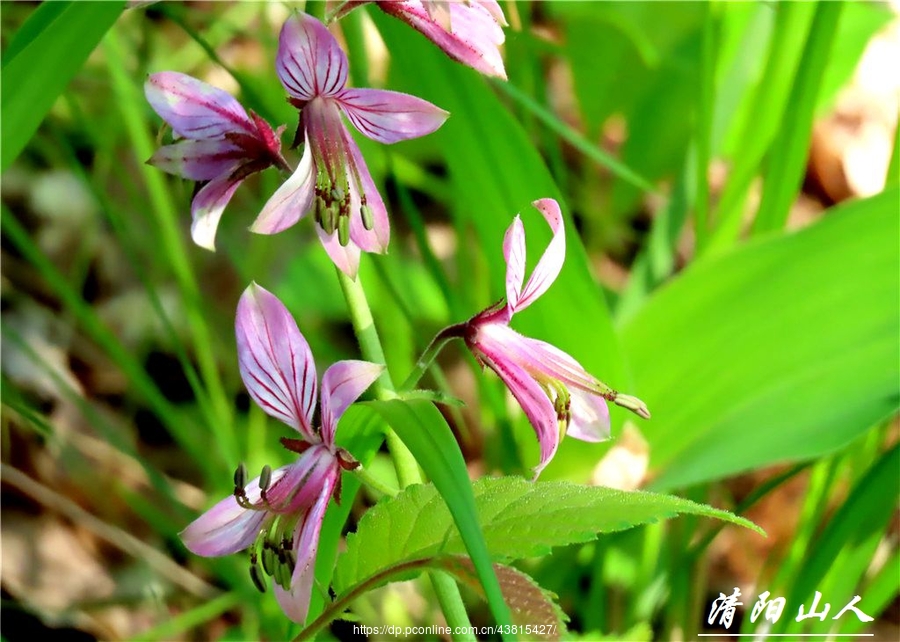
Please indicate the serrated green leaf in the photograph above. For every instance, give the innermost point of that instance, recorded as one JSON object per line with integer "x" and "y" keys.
{"x": 533, "y": 607}
{"x": 782, "y": 351}
{"x": 519, "y": 519}
{"x": 43, "y": 66}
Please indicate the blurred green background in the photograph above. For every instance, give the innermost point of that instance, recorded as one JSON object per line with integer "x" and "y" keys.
{"x": 730, "y": 181}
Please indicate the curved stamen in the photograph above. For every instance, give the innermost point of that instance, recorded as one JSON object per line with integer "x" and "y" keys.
{"x": 240, "y": 481}
{"x": 255, "y": 573}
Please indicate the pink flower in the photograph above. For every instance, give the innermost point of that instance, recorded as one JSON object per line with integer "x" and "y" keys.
{"x": 556, "y": 393}
{"x": 332, "y": 179}
{"x": 278, "y": 515}
{"x": 222, "y": 145}
{"x": 468, "y": 31}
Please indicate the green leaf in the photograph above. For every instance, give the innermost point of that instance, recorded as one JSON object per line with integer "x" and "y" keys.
{"x": 425, "y": 432}
{"x": 867, "y": 511}
{"x": 519, "y": 519}
{"x": 781, "y": 351}
{"x": 789, "y": 152}
{"x": 531, "y": 606}
{"x": 55, "y": 44}
{"x": 177, "y": 625}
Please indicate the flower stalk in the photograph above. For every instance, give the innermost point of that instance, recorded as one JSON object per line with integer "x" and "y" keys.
{"x": 404, "y": 462}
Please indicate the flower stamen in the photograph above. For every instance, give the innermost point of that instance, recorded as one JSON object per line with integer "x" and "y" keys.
{"x": 255, "y": 573}
{"x": 240, "y": 481}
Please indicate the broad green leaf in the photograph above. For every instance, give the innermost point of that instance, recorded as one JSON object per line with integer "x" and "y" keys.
{"x": 519, "y": 519}
{"x": 43, "y": 66}
{"x": 425, "y": 432}
{"x": 781, "y": 351}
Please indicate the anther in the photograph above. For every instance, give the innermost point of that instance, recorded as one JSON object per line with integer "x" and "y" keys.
{"x": 240, "y": 477}
{"x": 343, "y": 230}
{"x": 240, "y": 480}
{"x": 265, "y": 478}
{"x": 283, "y": 574}
{"x": 368, "y": 218}
{"x": 288, "y": 549}
{"x": 256, "y": 575}
{"x": 268, "y": 559}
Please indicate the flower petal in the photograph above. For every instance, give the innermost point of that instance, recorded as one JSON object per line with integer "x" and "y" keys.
{"x": 390, "y": 116}
{"x": 227, "y": 527}
{"x": 303, "y": 480}
{"x": 198, "y": 160}
{"x": 533, "y": 399}
{"x": 346, "y": 258}
{"x": 291, "y": 201}
{"x": 195, "y": 109}
{"x": 309, "y": 63}
{"x": 342, "y": 384}
{"x": 474, "y": 37}
{"x": 540, "y": 358}
{"x": 590, "y": 416}
{"x": 207, "y": 208}
{"x": 275, "y": 361}
{"x": 494, "y": 9}
{"x": 378, "y": 238}
{"x": 514, "y": 253}
{"x": 224, "y": 529}
{"x": 295, "y": 602}
{"x": 547, "y": 269}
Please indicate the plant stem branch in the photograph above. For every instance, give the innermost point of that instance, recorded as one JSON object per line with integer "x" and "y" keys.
{"x": 404, "y": 462}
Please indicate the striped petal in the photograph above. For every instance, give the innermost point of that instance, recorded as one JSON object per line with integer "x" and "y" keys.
{"x": 390, "y": 116}
{"x": 195, "y": 109}
{"x": 227, "y": 527}
{"x": 198, "y": 160}
{"x": 207, "y": 208}
{"x": 291, "y": 201}
{"x": 551, "y": 262}
{"x": 309, "y": 62}
{"x": 295, "y": 602}
{"x": 474, "y": 37}
{"x": 514, "y": 254}
{"x": 275, "y": 361}
{"x": 342, "y": 384}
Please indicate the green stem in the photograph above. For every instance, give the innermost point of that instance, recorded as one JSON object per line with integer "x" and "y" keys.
{"x": 430, "y": 354}
{"x": 336, "y": 608}
{"x": 373, "y": 482}
{"x": 404, "y": 462}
